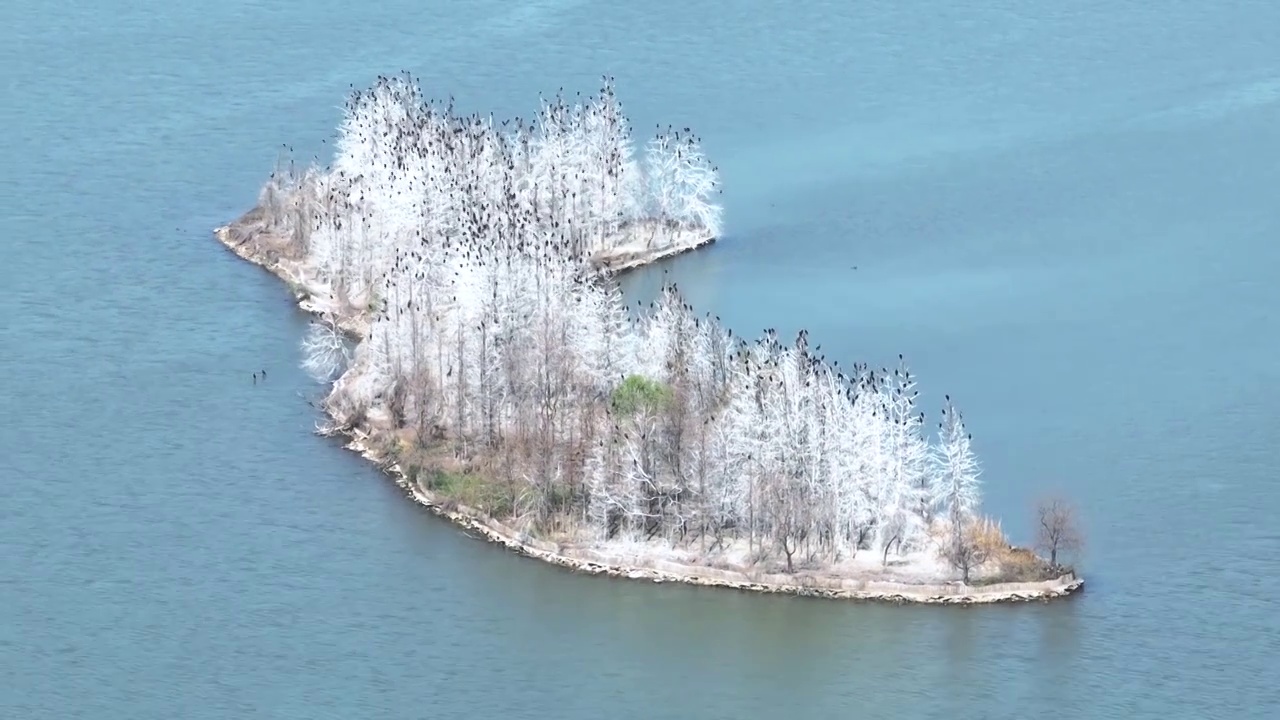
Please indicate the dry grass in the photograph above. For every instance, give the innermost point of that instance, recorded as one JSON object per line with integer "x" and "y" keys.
{"x": 1005, "y": 562}
{"x": 1002, "y": 562}
{"x": 989, "y": 536}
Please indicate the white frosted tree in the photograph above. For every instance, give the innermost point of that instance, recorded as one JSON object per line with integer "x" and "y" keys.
{"x": 902, "y": 497}
{"x": 460, "y": 250}
{"x": 955, "y": 487}
{"x": 697, "y": 182}
{"x": 324, "y": 352}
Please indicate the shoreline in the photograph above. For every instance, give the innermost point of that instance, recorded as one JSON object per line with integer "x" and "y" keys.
{"x": 592, "y": 562}
{"x": 622, "y": 260}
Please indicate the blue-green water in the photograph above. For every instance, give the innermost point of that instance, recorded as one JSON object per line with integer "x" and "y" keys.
{"x": 1063, "y": 213}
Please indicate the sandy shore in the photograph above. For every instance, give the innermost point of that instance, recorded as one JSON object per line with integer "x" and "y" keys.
{"x": 595, "y": 562}
{"x": 636, "y": 254}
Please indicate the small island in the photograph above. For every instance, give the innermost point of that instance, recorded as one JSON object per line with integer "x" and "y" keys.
{"x": 475, "y": 344}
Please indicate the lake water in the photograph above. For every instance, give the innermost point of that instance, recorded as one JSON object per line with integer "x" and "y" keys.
{"x": 1063, "y": 213}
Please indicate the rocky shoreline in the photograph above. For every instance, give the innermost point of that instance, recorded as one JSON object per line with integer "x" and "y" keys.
{"x": 590, "y": 561}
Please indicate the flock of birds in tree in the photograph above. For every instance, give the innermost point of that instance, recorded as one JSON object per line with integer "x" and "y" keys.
{"x": 466, "y": 247}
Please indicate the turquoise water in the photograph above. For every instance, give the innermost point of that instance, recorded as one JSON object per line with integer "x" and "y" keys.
{"x": 1062, "y": 213}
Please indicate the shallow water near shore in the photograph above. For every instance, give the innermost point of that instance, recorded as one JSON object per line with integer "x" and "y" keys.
{"x": 1064, "y": 217}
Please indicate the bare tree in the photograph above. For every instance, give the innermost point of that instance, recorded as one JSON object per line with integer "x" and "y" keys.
{"x": 1058, "y": 529}
{"x": 964, "y": 554}
{"x": 969, "y": 543}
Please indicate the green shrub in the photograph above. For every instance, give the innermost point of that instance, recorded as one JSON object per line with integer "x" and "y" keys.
{"x": 638, "y": 393}
{"x": 470, "y": 489}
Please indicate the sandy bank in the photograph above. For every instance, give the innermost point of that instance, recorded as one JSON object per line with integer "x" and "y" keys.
{"x": 258, "y": 250}
{"x": 642, "y": 250}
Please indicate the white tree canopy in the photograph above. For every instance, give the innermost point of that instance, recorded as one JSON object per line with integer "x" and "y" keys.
{"x": 465, "y": 243}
